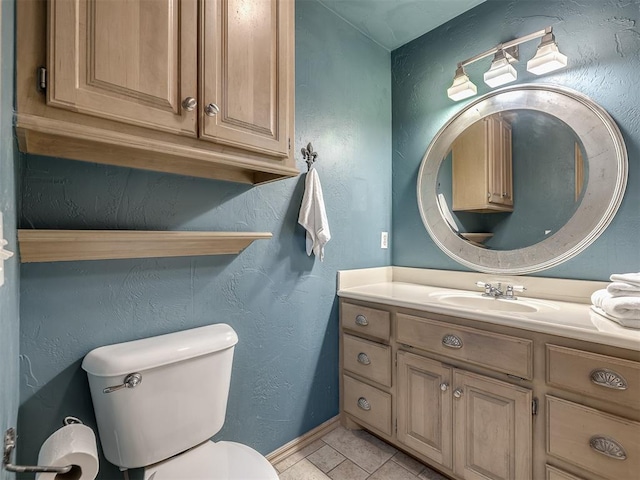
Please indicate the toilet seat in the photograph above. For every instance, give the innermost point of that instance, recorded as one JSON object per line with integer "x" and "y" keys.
{"x": 214, "y": 461}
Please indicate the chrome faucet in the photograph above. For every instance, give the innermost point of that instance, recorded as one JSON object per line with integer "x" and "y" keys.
{"x": 495, "y": 291}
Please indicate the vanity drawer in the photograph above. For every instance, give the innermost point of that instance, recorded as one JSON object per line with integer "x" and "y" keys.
{"x": 498, "y": 352}
{"x": 367, "y": 403}
{"x": 366, "y": 321}
{"x": 591, "y": 439}
{"x": 554, "y": 473}
{"x": 368, "y": 359}
{"x": 600, "y": 376}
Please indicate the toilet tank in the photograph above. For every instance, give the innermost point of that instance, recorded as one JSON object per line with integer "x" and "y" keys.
{"x": 180, "y": 401}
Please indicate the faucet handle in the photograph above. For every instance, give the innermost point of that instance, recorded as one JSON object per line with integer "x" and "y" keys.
{"x": 486, "y": 286}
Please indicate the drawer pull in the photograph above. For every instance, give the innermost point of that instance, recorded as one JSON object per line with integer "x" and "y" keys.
{"x": 451, "y": 341}
{"x": 364, "y": 404}
{"x": 363, "y": 358}
{"x": 608, "y": 447}
{"x": 362, "y": 320}
{"x": 609, "y": 379}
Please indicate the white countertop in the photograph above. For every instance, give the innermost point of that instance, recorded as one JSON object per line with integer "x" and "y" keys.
{"x": 566, "y": 319}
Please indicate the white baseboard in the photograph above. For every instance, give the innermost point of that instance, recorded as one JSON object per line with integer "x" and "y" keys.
{"x": 302, "y": 441}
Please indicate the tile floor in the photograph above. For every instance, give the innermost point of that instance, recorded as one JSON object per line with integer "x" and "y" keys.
{"x": 352, "y": 455}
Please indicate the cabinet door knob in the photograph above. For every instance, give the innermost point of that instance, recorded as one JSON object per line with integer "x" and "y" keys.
{"x": 189, "y": 104}
{"x": 363, "y": 358}
{"x": 362, "y": 320}
{"x": 364, "y": 404}
{"x": 212, "y": 110}
{"x": 451, "y": 341}
{"x": 457, "y": 392}
{"x": 444, "y": 386}
{"x": 604, "y": 377}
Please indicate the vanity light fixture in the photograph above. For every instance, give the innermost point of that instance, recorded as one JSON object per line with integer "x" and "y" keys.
{"x": 547, "y": 59}
{"x": 462, "y": 87}
{"x": 501, "y": 70}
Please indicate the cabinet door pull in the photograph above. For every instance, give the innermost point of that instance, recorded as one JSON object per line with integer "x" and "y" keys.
{"x": 362, "y": 320}
{"x": 608, "y": 378}
{"x": 363, "y": 358}
{"x": 212, "y": 110}
{"x": 607, "y": 447}
{"x": 189, "y": 104}
{"x": 444, "y": 386}
{"x": 451, "y": 341}
{"x": 458, "y": 392}
{"x": 364, "y": 404}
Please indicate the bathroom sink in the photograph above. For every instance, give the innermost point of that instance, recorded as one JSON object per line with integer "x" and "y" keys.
{"x": 478, "y": 302}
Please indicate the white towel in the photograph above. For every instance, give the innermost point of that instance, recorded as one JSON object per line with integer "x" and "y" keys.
{"x": 313, "y": 216}
{"x": 625, "y": 322}
{"x": 630, "y": 278}
{"x": 619, "y": 307}
{"x": 623, "y": 289}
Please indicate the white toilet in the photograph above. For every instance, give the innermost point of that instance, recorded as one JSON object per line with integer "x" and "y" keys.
{"x": 159, "y": 400}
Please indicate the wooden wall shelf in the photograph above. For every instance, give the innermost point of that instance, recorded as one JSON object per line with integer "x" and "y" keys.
{"x": 69, "y": 245}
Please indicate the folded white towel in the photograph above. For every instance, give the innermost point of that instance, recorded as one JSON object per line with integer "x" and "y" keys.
{"x": 313, "y": 216}
{"x": 630, "y": 278}
{"x": 620, "y": 307}
{"x": 625, "y": 322}
{"x": 623, "y": 289}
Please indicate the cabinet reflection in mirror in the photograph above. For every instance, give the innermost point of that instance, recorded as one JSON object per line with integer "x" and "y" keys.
{"x": 522, "y": 179}
{"x": 512, "y": 179}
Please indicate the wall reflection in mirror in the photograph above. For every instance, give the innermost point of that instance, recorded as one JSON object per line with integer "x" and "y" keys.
{"x": 512, "y": 179}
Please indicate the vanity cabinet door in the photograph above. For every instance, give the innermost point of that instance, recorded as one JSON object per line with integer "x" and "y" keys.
{"x": 424, "y": 407}
{"x": 247, "y": 64}
{"x": 133, "y": 61}
{"x": 492, "y": 428}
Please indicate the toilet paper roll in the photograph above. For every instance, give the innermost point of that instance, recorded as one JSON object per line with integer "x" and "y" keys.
{"x": 70, "y": 445}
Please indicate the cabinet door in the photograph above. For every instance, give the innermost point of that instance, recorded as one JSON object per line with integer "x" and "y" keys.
{"x": 424, "y": 407}
{"x": 247, "y": 61}
{"x": 499, "y": 156}
{"x": 492, "y": 428}
{"x": 132, "y": 61}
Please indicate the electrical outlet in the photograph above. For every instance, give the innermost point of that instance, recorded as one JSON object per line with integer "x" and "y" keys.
{"x": 384, "y": 240}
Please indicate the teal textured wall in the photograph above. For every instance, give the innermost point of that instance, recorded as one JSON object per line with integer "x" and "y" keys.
{"x": 9, "y": 293}
{"x": 601, "y": 39}
{"x": 281, "y": 302}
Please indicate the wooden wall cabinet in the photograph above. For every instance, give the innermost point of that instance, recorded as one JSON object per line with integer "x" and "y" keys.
{"x": 482, "y": 401}
{"x": 196, "y": 87}
{"x": 483, "y": 167}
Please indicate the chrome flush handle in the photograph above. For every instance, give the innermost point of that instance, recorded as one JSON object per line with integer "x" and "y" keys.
{"x": 130, "y": 381}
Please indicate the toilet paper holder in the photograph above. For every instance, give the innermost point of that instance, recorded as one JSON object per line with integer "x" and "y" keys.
{"x": 10, "y": 444}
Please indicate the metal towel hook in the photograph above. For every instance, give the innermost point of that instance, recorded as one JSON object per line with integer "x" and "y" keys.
{"x": 10, "y": 444}
{"x": 309, "y": 155}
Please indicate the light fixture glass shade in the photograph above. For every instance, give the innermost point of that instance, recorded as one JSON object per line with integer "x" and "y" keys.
{"x": 547, "y": 59}
{"x": 462, "y": 87}
{"x": 501, "y": 71}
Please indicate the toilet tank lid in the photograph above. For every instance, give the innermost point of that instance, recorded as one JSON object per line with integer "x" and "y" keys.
{"x": 138, "y": 355}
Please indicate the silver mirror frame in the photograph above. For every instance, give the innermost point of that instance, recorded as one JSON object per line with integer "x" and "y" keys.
{"x": 608, "y": 164}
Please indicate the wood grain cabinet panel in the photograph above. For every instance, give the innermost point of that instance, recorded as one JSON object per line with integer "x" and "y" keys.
{"x": 129, "y": 61}
{"x": 493, "y": 428}
{"x": 367, "y": 359}
{"x": 245, "y": 73}
{"x": 482, "y": 178}
{"x": 502, "y": 353}
{"x": 601, "y": 443}
{"x": 600, "y": 376}
{"x": 424, "y": 407}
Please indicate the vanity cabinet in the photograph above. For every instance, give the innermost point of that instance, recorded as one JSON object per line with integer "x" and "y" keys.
{"x": 482, "y": 176}
{"x": 477, "y": 400}
{"x": 196, "y": 87}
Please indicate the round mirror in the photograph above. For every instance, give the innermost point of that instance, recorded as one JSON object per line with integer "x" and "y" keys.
{"x": 522, "y": 179}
